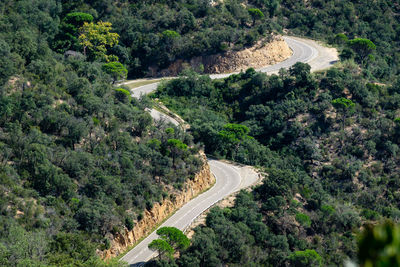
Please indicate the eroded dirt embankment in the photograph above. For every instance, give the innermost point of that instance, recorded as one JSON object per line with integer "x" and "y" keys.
{"x": 160, "y": 211}
{"x": 264, "y": 53}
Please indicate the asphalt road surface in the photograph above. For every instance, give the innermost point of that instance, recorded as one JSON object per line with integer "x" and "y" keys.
{"x": 304, "y": 50}
{"x": 157, "y": 115}
{"x": 229, "y": 178}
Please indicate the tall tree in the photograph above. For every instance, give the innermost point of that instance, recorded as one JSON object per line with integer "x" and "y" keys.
{"x": 232, "y": 135}
{"x": 256, "y": 14}
{"x": 344, "y": 106}
{"x": 116, "y": 70}
{"x": 176, "y": 147}
{"x": 67, "y": 38}
{"x": 171, "y": 239}
{"x": 174, "y": 237}
{"x": 162, "y": 247}
{"x": 363, "y": 48}
{"x": 95, "y": 38}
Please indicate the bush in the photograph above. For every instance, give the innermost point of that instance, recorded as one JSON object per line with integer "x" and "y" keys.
{"x": 305, "y": 258}
{"x": 123, "y": 95}
{"x": 303, "y": 219}
{"x": 129, "y": 223}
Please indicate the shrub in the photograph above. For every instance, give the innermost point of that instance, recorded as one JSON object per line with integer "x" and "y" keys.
{"x": 122, "y": 95}
{"x": 303, "y": 219}
{"x": 129, "y": 223}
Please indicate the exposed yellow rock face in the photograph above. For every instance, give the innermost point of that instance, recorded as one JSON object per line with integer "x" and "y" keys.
{"x": 160, "y": 211}
{"x": 264, "y": 53}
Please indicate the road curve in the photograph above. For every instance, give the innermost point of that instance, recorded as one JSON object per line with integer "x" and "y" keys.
{"x": 157, "y": 115}
{"x": 304, "y": 50}
{"x": 229, "y": 178}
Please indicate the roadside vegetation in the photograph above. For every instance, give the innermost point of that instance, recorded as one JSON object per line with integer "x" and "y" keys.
{"x": 327, "y": 142}
{"x": 80, "y": 160}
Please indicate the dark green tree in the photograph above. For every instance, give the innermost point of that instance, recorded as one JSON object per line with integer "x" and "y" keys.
{"x": 67, "y": 38}
{"x": 362, "y": 47}
{"x": 305, "y": 258}
{"x": 162, "y": 247}
{"x": 174, "y": 237}
{"x": 176, "y": 147}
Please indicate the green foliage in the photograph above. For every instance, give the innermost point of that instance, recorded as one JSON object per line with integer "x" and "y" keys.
{"x": 174, "y": 237}
{"x": 169, "y": 34}
{"x": 176, "y": 144}
{"x": 234, "y": 133}
{"x": 231, "y": 136}
{"x": 76, "y": 246}
{"x": 65, "y": 138}
{"x": 362, "y": 47}
{"x": 343, "y": 103}
{"x": 116, "y": 70}
{"x": 96, "y": 38}
{"x": 76, "y": 158}
{"x": 303, "y": 219}
{"x": 379, "y": 245}
{"x": 341, "y": 38}
{"x": 7, "y": 67}
{"x": 162, "y": 247}
{"x": 304, "y": 155}
{"x": 177, "y": 148}
{"x": 256, "y": 14}
{"x": 78, "y": 18}
{"x": 170, "y": 131}
{"x": 67, "y": 38}
{"x": 322, "y": 20}
{"x": 123, "y": 95}
{"x": 129, "y": 223}
{"x": 305, "y": 258}
{"x": 171, "y": 239}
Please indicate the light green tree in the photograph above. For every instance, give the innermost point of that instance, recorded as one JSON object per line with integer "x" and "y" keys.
{"x": 256, "y": 14}
{"x": 344, "y": 106}
{"x": 95, "y": 38}
{"x": 340, "y": 38}
{"x": 116, "y": 70}
{"x": 232, "y": 136}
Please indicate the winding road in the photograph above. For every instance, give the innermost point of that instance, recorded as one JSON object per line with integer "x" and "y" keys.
{"x": 229, "y": 178}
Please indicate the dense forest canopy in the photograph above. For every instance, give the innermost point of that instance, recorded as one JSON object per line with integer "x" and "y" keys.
{"x": 80, "y": 160}
{"x": 328, "y": 143}
{"x": 155, "y": 33}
